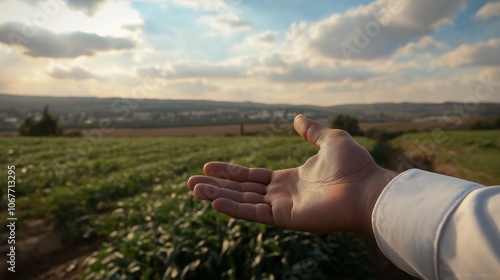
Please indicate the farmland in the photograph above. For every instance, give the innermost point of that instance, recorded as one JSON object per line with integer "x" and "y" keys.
{"x": 125, "y": 202}
{"x": 129, "y": 197}
{"x": 235, "y": 129}
{"x": 473, "y": 155}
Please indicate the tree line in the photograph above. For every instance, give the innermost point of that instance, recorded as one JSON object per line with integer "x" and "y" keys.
{"x": 47, "y": 125}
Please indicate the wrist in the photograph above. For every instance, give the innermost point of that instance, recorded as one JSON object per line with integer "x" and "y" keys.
{"x": 369, "y": 196}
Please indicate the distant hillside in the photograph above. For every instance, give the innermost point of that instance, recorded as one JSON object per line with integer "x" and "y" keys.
{"x": 75, "y": 104}
{"x": 87, "y": 111}
{"x": 411, "y": 111}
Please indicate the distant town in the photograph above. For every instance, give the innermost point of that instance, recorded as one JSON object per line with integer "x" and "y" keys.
{"x": 13, "y": 120}
{"x": 81, "y": 112}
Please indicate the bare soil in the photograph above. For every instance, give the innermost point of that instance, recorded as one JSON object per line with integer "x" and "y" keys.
{"x": 41, "y": 255}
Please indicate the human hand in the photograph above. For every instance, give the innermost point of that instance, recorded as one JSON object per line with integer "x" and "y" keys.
{"x": 334, "y": 190}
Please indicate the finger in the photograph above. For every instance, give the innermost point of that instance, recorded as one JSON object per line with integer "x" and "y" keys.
{"x": 261, "y": 212}
{"x": 312, "y": 131}
{"x": 211, "y": 192}
{"x": 228, "y": 184}
{"x": 238, "y": 173}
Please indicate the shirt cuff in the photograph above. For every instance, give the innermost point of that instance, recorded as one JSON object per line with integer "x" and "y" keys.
{"x": 410, "y": 214}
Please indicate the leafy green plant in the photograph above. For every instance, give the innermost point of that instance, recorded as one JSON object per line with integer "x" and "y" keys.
{"x": 131, "y": 194}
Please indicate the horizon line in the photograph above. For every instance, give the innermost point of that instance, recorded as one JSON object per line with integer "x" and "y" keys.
{"x": 246, "y": 101}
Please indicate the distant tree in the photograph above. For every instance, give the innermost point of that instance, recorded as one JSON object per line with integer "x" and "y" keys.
{"x": 27, "y": 127}
{"x": 347, "y": 123}
{"x": 484, "y": 123}
{"x": 477, "y": 124}
{"x": 46, "y": 126}
{"x": 382, "y": 135}
{"x": 496, "y": 122}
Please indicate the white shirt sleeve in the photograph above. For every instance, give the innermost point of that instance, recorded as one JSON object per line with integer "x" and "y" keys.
{"x": 438, "y": 227}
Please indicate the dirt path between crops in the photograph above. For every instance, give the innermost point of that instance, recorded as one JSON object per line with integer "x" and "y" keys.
{"x": 400, "y": 160}
{"x": 41, "y": 255}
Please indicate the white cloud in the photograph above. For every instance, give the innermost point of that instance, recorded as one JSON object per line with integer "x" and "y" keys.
{"x": 227, "y": 22}
{"x": 73, "y": 73}
{"x": 269, "y": 68}
{"x": 482, "y": 53}
{"x": 258, "y": 42}
{"x": 224, "y": 14}
{"x": 267, "y": 37}
{"x": 196, "y": 69}
{"x": 375, "y": 30}
{"x": 273, "y": 61}
{"x": 195, "y": 88}
{"x": 45, "y": 43}
{"x": 424, "y": 45}
{"x": 307, "y": 67}
{"x": 304, "y": 72}
{"x": 88, "y": 7}
{"x": 211, "y": 5}
{"x": 491, "y": 9}
{"x": 113, "y": 18}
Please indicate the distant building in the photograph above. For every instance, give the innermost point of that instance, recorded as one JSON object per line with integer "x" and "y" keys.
{"x": 142, "y": 116}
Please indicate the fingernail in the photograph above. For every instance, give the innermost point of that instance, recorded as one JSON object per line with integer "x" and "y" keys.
{"x": 299, "y": 120}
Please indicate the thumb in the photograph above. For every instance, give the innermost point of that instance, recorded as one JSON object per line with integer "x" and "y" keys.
{"x": 312, "y": 131}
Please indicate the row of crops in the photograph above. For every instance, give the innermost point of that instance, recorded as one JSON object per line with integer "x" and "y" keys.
{"x": 129, "y": 195}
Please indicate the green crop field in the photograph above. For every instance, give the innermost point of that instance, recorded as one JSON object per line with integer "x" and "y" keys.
{"x": 128, "y": 196}
{"x": 472, "y": 155}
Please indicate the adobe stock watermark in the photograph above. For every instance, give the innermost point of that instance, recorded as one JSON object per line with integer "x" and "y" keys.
{"x": 123, "y": 108}
{"x": 363, "y": 37}
{"x": 41, "y": 18}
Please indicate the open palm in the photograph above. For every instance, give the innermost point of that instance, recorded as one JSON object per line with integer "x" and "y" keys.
{"x": 334, "y": 190}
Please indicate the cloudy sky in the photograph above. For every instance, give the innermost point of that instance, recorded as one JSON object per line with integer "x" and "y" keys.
{"x": 273, "y": 51}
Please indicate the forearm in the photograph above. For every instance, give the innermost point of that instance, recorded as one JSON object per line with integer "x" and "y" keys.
{"x": 430, "y": 225}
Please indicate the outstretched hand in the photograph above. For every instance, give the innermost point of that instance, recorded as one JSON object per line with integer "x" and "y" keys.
{"x": 334, "y": 190}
